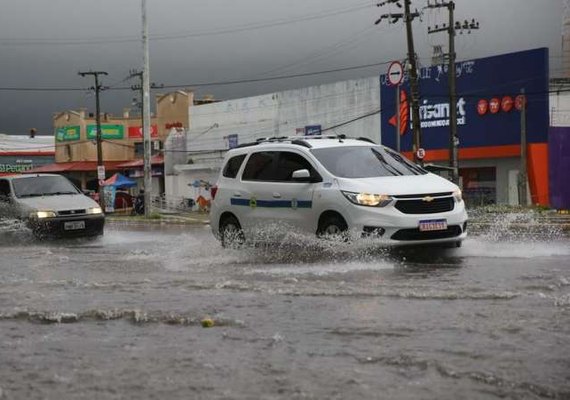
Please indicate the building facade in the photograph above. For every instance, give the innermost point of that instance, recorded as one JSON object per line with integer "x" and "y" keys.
{"x": 490, "y": 96}
{"x": 193, "y": 158}
{"x": 22, "y": 153}
{"x": 75, "y": 135}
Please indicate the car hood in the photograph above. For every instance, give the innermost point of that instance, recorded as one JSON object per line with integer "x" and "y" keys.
{"x": 398, "y": 185}
{"x": 58, "y": 202}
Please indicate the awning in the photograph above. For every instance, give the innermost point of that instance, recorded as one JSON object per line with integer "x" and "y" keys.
{"x": 154, "y": 160}
{"x": 76, "y": 166}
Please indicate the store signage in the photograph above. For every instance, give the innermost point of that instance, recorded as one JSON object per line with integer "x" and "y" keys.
{"x": 170, "y": 125}
{"x": 312, "y": 130}
{"x": 107, "y": 132}
{"x": 66, "y": 133}
{"x": 232, "y": 141}
{"x": 486, "y": 98}
{"x": 136, "y": 132}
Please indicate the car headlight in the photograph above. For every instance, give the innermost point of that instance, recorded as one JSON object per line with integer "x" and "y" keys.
{"x": 368, "y": 199}
{"x": 95, "y": 210}
{"x": 458, "y": 195}
{"x": 43, "y": 214}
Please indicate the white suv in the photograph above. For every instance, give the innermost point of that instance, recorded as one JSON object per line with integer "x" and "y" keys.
{"x": 331, "y": 185}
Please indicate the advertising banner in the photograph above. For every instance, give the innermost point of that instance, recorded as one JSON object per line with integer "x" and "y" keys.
{"x": 488, "y": 102}
{"x": 66, "y": 133}
{"x": 107, "y": 132}
{"x": 136, "y": 132}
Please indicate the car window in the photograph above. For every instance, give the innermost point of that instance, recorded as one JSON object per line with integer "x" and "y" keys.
{"x": 259, "y": 167}
{"x": 288, "y": 162}
{"x": 232, "y": 166}
{"x": 364, "y": 162}
{"x": 4, "y": 189}
{"x": 43, "y": 186}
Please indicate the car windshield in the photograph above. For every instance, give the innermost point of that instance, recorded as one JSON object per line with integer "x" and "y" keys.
{"x": 43, "y": 186}
{"x": 365, "y": 162}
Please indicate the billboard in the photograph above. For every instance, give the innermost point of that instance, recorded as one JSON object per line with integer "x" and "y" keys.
{"x": 107, "y": 131}
{"x": 488, "y": 102}
{"x": 66, "y": 133}
{"x": 136, "y": 132}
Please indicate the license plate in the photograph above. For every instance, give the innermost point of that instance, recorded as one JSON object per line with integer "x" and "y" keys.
{"x": 74, "y": 225}
{"x": 433, "y": 225}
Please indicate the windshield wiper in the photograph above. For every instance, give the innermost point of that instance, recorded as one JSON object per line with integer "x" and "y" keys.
{"x": 58, "y": 193}
{"x": 30, "y": 195}
{"x": 381, "y": 158}
{"x": 416, "y": 170}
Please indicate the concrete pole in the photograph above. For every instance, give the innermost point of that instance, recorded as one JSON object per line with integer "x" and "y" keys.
{"x": 523, "y": 178}
{"x": 146, "y": 116}
{"x": 398, "y": 127}
{"x": 453, "y": 138}
{"x": 413, "y": 71}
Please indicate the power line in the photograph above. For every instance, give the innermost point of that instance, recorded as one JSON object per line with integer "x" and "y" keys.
{"x": 214, "y": 83}
{"x": 186, "y": 35}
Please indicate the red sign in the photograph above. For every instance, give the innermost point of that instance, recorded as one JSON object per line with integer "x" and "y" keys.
{"x": 507, "y": 104}
{"x": 519, "y": 101}
{"x": 171, "y": 125}
{"x": 482, "y": 107}
{"x": 136, "y": 132}
{"x": 494, "y": 105}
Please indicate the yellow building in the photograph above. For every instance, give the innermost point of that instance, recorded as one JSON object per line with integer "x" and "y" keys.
{"x": 121, "y": 140}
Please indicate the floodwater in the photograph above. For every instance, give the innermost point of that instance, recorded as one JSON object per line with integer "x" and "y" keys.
{"x": 120, "y": 317}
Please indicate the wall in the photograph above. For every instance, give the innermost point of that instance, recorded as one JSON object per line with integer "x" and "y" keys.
{"x": 284, "y": 113}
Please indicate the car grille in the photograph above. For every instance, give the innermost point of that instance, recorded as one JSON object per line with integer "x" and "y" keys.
{"x": 65, "y": 213}
{"x": 420, "y": 206}
{"x": 416, "y": 234}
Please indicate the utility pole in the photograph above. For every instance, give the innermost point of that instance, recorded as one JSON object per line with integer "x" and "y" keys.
{"x": 451, "y": 28}
{"x": 100, "y": 165}
{"x": 523, "y": 179}
{"x": 408, "y": 17}
{"x": 146, "y": 115}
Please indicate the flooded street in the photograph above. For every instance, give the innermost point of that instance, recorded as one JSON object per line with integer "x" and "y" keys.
{"x": 120, "y": 317}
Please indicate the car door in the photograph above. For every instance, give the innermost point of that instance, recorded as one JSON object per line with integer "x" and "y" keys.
{"x": 296, "y": 197}
{"x": 8, "y": 208}
{"x": 273, "y": 197}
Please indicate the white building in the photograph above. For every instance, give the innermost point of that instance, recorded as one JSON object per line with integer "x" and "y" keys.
{"x": 349, "y": 107}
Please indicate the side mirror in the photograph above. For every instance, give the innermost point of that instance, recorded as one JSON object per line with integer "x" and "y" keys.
{"x": 303, "y": 175}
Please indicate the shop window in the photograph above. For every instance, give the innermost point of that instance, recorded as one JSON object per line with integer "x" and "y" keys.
{"x": 479, "y": 185}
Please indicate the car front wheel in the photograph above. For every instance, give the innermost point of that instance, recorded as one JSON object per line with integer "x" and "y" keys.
{"x": 231, "y": 234}
{"x": 332, "y": 226}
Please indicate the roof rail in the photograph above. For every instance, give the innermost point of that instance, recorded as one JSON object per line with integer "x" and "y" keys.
{"x": 365, "y": 139}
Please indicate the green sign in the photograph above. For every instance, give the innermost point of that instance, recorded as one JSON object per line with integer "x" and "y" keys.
{"x": 107, "y": 131}
{"x": 67, "y": 133}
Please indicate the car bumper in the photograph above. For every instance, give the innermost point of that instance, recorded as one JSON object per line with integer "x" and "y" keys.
{"x": 76, "y": 226}
{"x": 396, "y": 228}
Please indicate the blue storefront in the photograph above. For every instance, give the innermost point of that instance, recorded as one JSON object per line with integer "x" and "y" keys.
{"x": 489, "y": 104}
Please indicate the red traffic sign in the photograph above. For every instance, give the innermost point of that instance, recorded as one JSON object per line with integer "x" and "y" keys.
{"x": 101, "y": 182}
{"x": 395, "y": 73}
{"x": 420, "y": 154}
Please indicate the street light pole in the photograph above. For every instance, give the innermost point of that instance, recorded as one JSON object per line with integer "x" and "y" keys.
{"x": 100, "y": 163}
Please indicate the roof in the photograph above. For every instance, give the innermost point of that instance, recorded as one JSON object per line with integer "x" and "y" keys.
{"x": 154, "y": 160}
{"x": 24, "y": 145}
{"x": 76, "y": 166}
{"x": 312, "y": 142}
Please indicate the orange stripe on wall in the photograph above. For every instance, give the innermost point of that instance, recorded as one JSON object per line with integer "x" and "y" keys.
{"x": 537, "y": 164}
{"x": 470, "y": 153}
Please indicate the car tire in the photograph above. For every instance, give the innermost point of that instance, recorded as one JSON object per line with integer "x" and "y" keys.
{"x": 231, "y": 234}
{"x": 333, "y": 226}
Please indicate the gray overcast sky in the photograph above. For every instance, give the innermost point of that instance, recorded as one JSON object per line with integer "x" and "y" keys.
{"x": 44, "y": 43}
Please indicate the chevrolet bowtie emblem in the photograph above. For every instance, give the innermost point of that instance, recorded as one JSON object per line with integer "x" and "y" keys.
{"x": 428, "y": 199}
